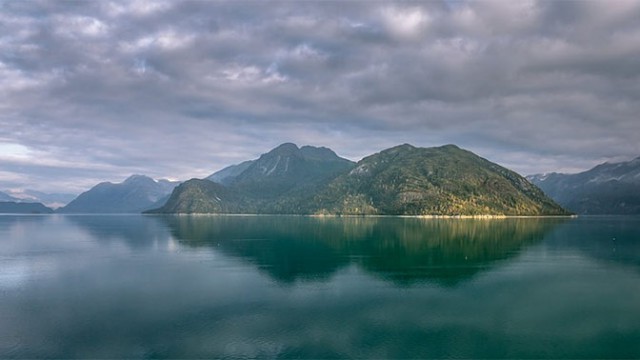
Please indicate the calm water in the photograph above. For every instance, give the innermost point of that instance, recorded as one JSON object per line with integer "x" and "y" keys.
{"x": 244, "y": 287}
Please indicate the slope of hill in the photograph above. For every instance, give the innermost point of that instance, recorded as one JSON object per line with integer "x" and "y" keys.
{"x": 203, "y": 196}
{"x": 446, "y": 180}
{"x": 606, "y": 189}
{"x": 226, "y": 175}
{"x": 136, "y": 194}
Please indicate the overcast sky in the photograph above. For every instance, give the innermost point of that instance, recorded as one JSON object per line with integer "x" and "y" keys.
{"x": 95, "y": 91}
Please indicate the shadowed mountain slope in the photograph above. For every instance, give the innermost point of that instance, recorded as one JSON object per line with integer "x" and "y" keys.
{"x": 136, "y": 194}
{"x": 607, "y": 189}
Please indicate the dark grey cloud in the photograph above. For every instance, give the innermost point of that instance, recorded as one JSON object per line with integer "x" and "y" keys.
{"x": 94, "y": 91}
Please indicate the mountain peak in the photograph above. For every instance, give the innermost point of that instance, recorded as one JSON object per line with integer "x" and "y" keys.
{"x": 405, "y": 146}
{"x": 137, "y": 178}
{"x": 286, "y": 148}
{"x": 398, "y": 149}
{"x": 450, "y": 146}
{"x": 319, "y": 153}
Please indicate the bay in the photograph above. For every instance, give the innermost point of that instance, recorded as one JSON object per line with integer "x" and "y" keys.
{"x": 132, "y": 286}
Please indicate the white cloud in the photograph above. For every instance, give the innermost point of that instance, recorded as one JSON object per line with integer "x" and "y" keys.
{"x": 166, "y": 40}
{"x": 405, "y": 22}
{"x": 14, "y": 151}
{"x": 250, "y": 75}
{"x": 306, "y": 51}
{"x": 136, "y": 7}
{"x": 74, "y": 26}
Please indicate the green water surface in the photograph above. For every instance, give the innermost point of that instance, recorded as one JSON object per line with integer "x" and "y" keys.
{"x": 299, "y": 287}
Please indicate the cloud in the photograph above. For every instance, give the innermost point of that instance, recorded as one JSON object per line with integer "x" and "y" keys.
{"x": 180, "y": 89}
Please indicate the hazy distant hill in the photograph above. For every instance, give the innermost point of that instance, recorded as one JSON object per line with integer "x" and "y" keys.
{"x": 12, "y": 207}
{"x": 136, "y": 194}
{"x": 50, "y": 200}
{"x": 7, "y": 197}
{"x": 401, "y": 180}
{"x": 33, "y": 196}
{"x": 605, "y": 189}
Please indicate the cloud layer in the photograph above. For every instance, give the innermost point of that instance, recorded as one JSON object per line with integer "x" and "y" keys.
{"x": 94, "y": 91}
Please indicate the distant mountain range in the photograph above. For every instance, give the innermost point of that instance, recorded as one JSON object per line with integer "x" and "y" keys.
{"x": 605, "y": 189}
{"x": 34, "y": 196}
{"x": 12, "y": 207}
{"x": 403, "y": 180}
{"x": 136, "y": 194}
{"x": 6, "y": 197}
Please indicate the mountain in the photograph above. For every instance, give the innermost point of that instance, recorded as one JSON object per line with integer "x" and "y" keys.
{"x": 12, "y": 207}
{"x": 403, "y": 180}
{"x": 203, "y": 196}
{"x": 136, "y": 194}
{"x": 609, "y": 188}
{"x": 7, "y": 197}
{"x": 54, "y": 200}
{"x": 277, "y": 182}
{"x": 288, "y": 169}
{"x": 447, "y": 180}
{"x": 226, "y": 175}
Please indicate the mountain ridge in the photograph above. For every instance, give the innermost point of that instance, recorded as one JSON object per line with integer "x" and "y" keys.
{"x": 135, "y": 194}
{"x": 605, "y": 189}
{"x": 273, "y": 183}
{"x": 7, "y": 198}
{"x": 51, "y": 200}
{"x": 13, "y": 207}
{"x": 227, "y": 174}
{"x": 445, "y": 180}
{"x": 402, "y": 180}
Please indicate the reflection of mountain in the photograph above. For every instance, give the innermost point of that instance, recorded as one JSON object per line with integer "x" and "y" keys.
{"x": 613, "y": 239}
{"x": 8, "y": 222}
{"x": 133, "y": 230}
{"x": 403, "y": 250}
{"x": 448, "y": 251}
{"x": 287, "y": 248}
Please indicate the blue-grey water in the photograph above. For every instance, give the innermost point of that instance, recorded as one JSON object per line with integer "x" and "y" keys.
{"x": 300, "y": 287}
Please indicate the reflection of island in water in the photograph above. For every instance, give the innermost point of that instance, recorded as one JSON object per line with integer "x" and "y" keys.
{"x": 403, "y": 250}
{"x": 137, "y": 232}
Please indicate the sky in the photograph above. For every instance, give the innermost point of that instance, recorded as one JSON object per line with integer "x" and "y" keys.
{"x": 94, "y": 91}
